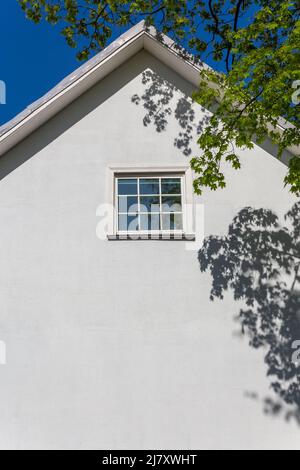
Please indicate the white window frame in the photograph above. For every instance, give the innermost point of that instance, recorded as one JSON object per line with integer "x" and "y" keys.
{"x": 187, "y": 198}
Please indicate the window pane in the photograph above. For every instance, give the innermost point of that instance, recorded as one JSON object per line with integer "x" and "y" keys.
{"x": 128, "y": 204}
{"x": 171, "y": 204}
{"x": 149, "y": 186}
{"x": 149, "y": 203}
{"x": 172, "y": 222}
{"x": 127, "y": 186}
{"x": 171, "y": 186}
{"x": 150, "y": 222}
{"x": 128, "y": 222}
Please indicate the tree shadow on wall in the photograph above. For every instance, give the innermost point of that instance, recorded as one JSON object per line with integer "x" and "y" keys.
{"x": 259, "y": 261}
{"x": 276, "y": 408}
{"x": 160, "y": 101}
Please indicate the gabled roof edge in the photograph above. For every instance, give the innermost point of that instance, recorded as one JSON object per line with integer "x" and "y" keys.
{"x": 70, "y": 88}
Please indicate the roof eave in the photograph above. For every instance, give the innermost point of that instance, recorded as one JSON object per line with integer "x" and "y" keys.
{"x": 49, "y": 108}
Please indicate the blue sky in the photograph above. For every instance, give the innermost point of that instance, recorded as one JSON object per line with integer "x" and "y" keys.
{"x": 34, "y": 58}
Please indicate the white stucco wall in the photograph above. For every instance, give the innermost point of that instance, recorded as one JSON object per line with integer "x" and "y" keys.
{"x": 116, "y": 344}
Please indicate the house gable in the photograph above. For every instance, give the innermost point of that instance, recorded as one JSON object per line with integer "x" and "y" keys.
{"x": 126, "y": 46}
{"x": 117, "y": 343}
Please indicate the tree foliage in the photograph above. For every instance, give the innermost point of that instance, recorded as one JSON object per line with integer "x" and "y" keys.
{"x": 257, "y": 41}
{"x": 255, "y": 96}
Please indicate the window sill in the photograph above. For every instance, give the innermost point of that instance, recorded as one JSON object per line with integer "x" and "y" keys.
{"x": 186, "y": 237}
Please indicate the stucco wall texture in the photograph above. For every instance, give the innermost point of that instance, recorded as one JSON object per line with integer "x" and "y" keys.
{"x": 117, "y": 344}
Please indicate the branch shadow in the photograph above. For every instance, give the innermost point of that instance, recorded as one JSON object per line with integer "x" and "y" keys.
{"x": 259, "y": 261}
{"x": 162, "y": 102}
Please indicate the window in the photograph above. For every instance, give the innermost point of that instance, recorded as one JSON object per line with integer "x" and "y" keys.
{"x": 149, "y": 204}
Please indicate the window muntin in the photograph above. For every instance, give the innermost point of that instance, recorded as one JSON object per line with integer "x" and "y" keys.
{"x": 147, "y": 204}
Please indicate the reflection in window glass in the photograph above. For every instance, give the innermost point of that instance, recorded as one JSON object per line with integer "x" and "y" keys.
{"x": 128, "y": 223}
{"x": 171, "y": 204}
{"x": 172, "y": 222}
{"x": 150, "y": 222}
{"x": 150, "y": 204}
{"x": 128, "y": 204}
